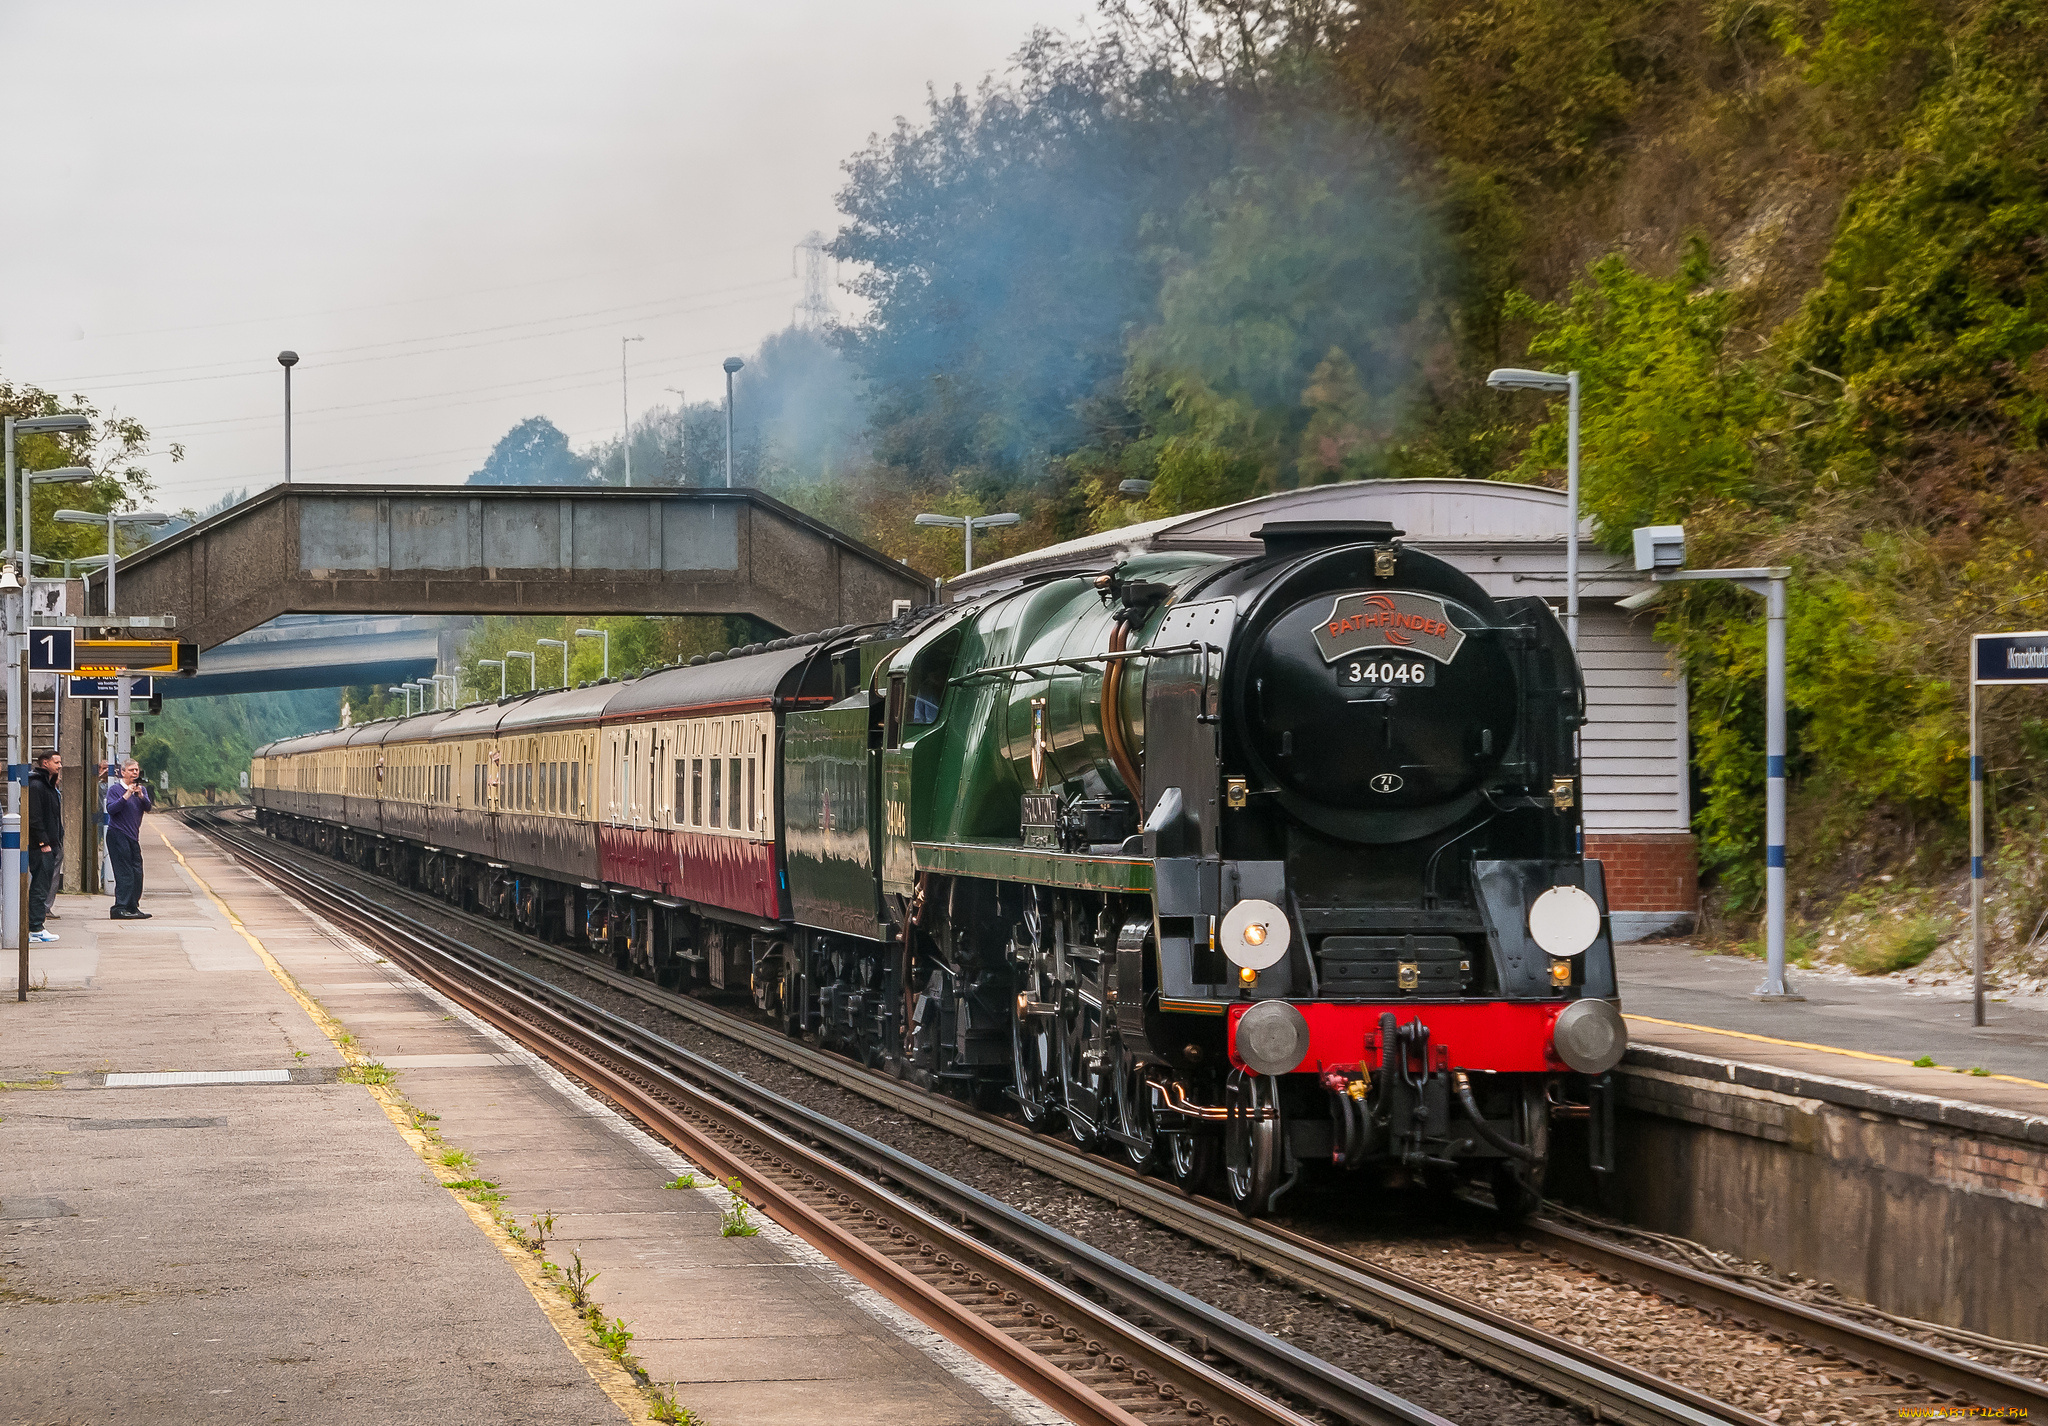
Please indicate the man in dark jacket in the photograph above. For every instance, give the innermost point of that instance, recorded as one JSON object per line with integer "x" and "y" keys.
{"x": 127, "y": 800}
{"x": 46, "y": 826}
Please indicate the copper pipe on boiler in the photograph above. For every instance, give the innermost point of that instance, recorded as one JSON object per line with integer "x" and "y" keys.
{"x": 1113, "y": 732}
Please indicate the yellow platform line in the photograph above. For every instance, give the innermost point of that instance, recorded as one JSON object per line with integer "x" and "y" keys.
{"x": 1826, "y": 1049}
{"x": 610, "y": 1378}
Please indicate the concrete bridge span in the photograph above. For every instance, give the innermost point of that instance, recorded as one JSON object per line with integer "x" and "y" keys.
{"x": 441, "y": 549}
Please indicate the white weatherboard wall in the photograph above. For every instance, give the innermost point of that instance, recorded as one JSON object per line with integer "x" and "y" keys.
{"x": 1633, "y": 747}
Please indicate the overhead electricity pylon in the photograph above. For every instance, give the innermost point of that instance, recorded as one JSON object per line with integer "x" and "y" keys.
{"x": 808, "y": 261}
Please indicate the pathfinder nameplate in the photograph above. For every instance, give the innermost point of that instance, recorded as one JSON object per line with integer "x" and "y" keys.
{"x": 1389, "y": 619}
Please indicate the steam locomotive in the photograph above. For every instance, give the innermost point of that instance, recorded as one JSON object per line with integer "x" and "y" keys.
{"x": 1238, "y": 868}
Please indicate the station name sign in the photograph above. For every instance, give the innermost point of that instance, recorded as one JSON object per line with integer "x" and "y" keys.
{"x": 2009, "y": 658}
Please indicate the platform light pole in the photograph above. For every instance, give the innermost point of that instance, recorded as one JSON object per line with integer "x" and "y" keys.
{"x": 967, "y": 525}
{"x": 563, "y": 645}
{"x": 732, "y": 364}
{"x": 287, "y": 360}
{"x": 625, "y": 411}
{"x": 499, "y": 665}
{"x": 1517, "y": 378}
{"x": 62, "y": 423}
{"x": 1660, "y": 552}
{"x": 532, "y": 682}
{"x": 606, "y": 635}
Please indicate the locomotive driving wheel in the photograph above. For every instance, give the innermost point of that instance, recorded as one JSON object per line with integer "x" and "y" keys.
{"x": 1251, "y": 1142}
{"x": 1031, "y": 1057}
{"x": 1134, "y": 1117}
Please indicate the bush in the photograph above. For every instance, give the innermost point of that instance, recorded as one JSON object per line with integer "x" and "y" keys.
{"x": 1896, "y": 946}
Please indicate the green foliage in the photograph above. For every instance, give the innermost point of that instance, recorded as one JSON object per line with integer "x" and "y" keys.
{"x": 1896, "y": 945}
{"x": 210, "y": 739}
{"x": 367, "y": 1072}
{"x": 1670, "y": 415}
{"x": 666, "y": 1409}
{"x": 733, "y": 1223}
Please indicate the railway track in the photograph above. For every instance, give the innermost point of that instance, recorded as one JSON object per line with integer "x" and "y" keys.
{"x": 1610, "y": 1389}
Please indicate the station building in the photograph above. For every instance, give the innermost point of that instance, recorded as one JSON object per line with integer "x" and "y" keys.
{"x": 1511, "y": 540}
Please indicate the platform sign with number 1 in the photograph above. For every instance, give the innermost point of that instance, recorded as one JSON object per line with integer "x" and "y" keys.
{"x": 1995, "y": 660}
{"x": 49, "y": 651}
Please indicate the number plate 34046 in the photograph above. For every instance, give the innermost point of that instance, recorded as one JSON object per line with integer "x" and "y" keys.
{"x": 1387, "y": 673}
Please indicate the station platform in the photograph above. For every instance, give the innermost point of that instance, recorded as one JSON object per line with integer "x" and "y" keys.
{"x": 1847, "y": 1028}
{"x": 203, "y": 1220}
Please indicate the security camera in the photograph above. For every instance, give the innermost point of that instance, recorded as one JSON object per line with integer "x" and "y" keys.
{"x": 1660, "y": 547}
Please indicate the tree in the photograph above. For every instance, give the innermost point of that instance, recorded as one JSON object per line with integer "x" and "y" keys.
{"x": 534, "y": 452}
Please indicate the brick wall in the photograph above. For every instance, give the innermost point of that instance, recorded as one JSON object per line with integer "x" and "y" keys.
{"x": 1648, "y": 871}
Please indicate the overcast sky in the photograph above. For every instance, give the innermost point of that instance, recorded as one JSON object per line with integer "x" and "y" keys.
{"x": 452, "y": 212}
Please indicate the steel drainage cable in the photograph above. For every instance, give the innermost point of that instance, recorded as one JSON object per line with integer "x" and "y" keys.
{"x": 1314, "y": 1380}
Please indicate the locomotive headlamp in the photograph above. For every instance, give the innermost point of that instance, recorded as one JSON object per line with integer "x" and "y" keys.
{"x": 1564, "y": 921}
{"x": 1589, "y": 1036}
{"x": 1255, "y": 934}
{"x": 1272, "y": 1037}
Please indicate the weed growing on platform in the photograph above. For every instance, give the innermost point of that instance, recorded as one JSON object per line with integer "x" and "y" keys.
{"x": 1924, "y": 1062}
{"x": 481, "y": 1191}
{"x": 296, "y": 1054}
{"x": 368, "y": 1072}
{"x": 682, "y": 1180}
{"x": 50, "y": 1079}
{"x": 576, "y": 1281}
{"x": 534, "y": 1237}
{"x": 1980, "y": 1071}
{"x": 734, "y": 1224}
{"x": 666, "y": 1409}
{"x": 613, "y": 1338}
{"x": 456, "y": 1159}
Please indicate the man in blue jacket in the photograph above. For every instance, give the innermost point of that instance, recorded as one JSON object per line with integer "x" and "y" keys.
{"x": 127, "y": 800}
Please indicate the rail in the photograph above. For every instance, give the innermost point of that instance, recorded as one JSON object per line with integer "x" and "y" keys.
{"x": 650, "y": 1076}
{"x": 1586, "y": 1378}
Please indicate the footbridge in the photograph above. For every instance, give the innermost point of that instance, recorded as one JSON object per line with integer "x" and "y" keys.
{"x": 440, "y": 549}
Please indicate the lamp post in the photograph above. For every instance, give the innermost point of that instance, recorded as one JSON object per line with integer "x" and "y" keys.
{"x": 967, "y": 525}
{"x": 625, "y": 412}
{"x": 1660, "y": 551}
{"x": 499, "y": 665}
{"x": 404, "y": 691}
{"x": 606, "y": 635}
{"x": 1134, "y": 487}
{"x": 122, "y": 681}
{"x": 563, "y": 645}
{"x": 732, "y": 364}
{"x": 531, "y": 682}
{"x": 1516, "y": 378}
{"x": 63, "y": 423}
{"x": 287, "y": 360}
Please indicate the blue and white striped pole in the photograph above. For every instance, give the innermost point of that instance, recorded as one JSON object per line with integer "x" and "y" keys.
{"x": 1976, "y": 850}
{"x": 1773, "y": 987}
{"x": 10, "y": 895}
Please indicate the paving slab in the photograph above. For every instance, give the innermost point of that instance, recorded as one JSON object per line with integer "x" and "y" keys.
{"x": 1863, "y": 1030}
{"x": 312, "y": 1267}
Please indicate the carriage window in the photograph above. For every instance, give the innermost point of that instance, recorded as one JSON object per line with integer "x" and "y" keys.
{"x": 753, "y": 799}
{"x": 696, "y": 792}
{"x": 575, "y": 782}
{"x": 717, "y": 785}
{"x": 682, "y": 788}
{"x": 732, "y": 814}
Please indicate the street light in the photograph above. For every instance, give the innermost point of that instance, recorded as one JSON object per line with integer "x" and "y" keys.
{"x": 531, "y": 682}
{"x": 13, "y": 866}
{"x": 732, "y": 364}
{"x": 404, "y": 691}
{"x": 625, "y": 413}
{"x": 287, "y": 360}
{"x": 604, "y": 634}
{"x": 1660, "y": 551}
{"x": 1517, "y": 378}
{"x": 1134, "y": 487}
{"x": 563, "y": 645}
{"x": 132, "y": 517}
{"x": 499, "y": 665}
{"x": 967, "y": 525}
